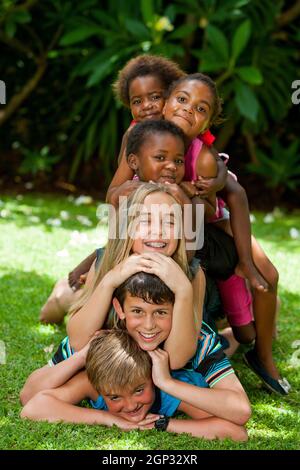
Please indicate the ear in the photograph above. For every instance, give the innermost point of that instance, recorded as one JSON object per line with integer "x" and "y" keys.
{"x": 164, "y": 108}
{"x": 132, "y": 161}
{"x": 118, "y": 308}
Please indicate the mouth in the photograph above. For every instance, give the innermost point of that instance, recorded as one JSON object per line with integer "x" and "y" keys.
{"x": 159, "y": 245}
{"x": 168, "y": 179}
{"x": 184, "y": 118}
{"x": 151, "y": 116}
{"x": 148, "y": 337}
{"x": 135, "y": 412}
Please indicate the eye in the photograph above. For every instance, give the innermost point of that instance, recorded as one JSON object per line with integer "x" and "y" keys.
{"x": 114, "y": 398}
{"x": 181, "y": 99}
{"x": 200, "y": 109}
{"x": 137, "y": 311}
{"x": 156, "y": 97}
{"x": 139, "y": 391}
{"x": 161, "y": 313}
{"x": 160, "y": 158}
{"x": 136, "y": 101}
{"x": 179, "y": 161}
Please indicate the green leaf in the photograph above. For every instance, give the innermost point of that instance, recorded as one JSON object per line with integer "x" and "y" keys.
{"x": 10, "y": 28}
{"x": 240, "y": 39}
{"x": 246, "y": 101}
{"x": 22, "y": 16}
{"x": 218, "y": 41}
{"x": 147, "y": 10}
{"x": 79, "y": 34}
{"x": 182, "y": 31}
{"x": 250, "y": 75}
{"x": 137, "y": 29}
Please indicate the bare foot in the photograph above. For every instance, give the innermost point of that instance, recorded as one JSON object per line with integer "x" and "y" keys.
{"x": 249, "y": 271}
{"x": 233, "y": 344}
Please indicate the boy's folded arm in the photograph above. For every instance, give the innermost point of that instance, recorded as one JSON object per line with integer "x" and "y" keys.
{"x": 59, "y": 404}
{"x": 51, "y": 377}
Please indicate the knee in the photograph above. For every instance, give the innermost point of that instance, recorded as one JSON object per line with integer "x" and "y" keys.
{"x": 273, "y": 278}
{"x": 244, "y": 334}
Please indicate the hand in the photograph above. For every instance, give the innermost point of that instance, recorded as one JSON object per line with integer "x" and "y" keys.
{"x": 178, "y": 194}
{"x": 160, "y": 367}
{"x": 206, "y": 186}
{"x": 189, "y": 189}
{"x": 122, "y": 271}
{"x": 167, "y": 270}
{"x": 124, "y": 189}
{"x": 125, "y": 425}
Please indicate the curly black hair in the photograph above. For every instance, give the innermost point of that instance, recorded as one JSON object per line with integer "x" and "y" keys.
{"x": 141, "y": 130}
{"x": 164, "y": 69}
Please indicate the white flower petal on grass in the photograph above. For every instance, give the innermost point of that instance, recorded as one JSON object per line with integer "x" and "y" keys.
{"x": 4, "y": 213}
{"x": 83, "y": 200}
{"x": 268, "y": 219}
{"x": 84, "y": 220}
{"x": 78, "y": 238}
{"x": 63, "y": 254}
{"x": 34, "y": 219}
{"x": 294, "y": 233}
{"x": 49, "y": 349}
{"x": 277, "y": 212}
{"x": 70, "y": 198}
{"x": 29, "y": 185}
{"x": 64, "y": 215}
{"x": 20, "y": 197}
{"x": 252, "y": 218}
{"x": 1, "y": 203}
{"x": 53, "y": 222}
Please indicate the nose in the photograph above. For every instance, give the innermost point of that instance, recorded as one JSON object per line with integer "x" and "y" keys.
{"x": 147, "y": 104}
{"x": 130, "y": 404}
{"x": 170, "y": 165}
{"x": 188, "y": 108}
{"x": 149, "y": 321}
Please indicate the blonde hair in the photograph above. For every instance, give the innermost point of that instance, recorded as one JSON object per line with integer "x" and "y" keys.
{"x": 119, "y": 249}
{"x": 116, "y": 362}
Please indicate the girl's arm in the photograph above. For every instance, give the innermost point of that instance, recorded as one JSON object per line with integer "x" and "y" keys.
{"x": 122, "y": 174}
{"x": 181, "y": 343}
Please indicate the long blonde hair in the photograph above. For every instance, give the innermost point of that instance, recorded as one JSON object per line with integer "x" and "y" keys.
{"x": 118, "y": 249}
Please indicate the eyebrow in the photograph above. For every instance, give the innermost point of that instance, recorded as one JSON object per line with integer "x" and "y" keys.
{"x": 117, "y": 394}
{"x": 201, "y": 101}
{"x": 149, "y": 93}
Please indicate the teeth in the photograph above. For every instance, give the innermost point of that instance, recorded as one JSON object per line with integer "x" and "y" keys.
{"x": 148, "y": 335}
{"x": 156, "y": 244}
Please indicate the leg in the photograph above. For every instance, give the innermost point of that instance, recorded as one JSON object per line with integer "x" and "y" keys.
{"x": 231, "y": 338}
{"x": 58, "y": 303}
{"x": 264, "y": 308}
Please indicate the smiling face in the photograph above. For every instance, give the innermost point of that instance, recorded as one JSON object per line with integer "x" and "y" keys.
{"x": 133, "y": 403}
{"x": 160, "y": 159}
{"x": 157, "y": 229}
{"x": 146, "y": 98}
{"x": 190, "y": 106}
{"x": 147, "y": 323}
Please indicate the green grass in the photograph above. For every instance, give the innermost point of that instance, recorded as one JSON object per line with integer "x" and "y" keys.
{"x": 29, "y": 267}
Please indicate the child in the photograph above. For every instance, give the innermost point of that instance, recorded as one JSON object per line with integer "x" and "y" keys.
{"x": 153, "y": 248}
{"x": 118, "y": 370}
{"x": 193, "y": 104}
{"x": 140, "y": 86}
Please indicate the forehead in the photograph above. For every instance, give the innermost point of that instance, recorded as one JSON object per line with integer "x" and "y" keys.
{"x": 145, "y": 84}
{"x": 195, "y": 88}
{"x": 159, "y": 201}
{"x": 133, "y": 300}
{"x": 163, "y": 140}
{"x": 130, "y": 389}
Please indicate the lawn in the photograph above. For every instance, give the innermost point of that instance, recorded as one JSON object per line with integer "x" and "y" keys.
{"x": 41, "y": 238}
